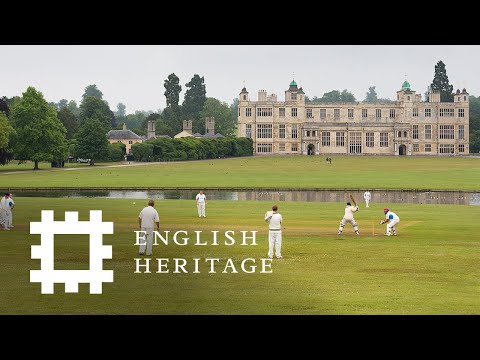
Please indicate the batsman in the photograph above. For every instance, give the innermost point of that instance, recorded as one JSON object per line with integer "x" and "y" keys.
{"x": 348, "y": 217}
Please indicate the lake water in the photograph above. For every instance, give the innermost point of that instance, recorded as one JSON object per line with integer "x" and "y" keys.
{"x": 381, "y": 196}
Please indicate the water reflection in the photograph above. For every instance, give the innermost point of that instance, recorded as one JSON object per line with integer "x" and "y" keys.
{"x": 382, "y": 196}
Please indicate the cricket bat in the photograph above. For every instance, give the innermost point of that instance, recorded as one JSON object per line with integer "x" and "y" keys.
{"x": 353, "y": 200}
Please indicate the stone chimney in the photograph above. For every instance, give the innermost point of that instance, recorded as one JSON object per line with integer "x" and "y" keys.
{"x": 151, "y": 129}
{"x": 124, "y": 126}
{"x": 187, "y": 126}
{"x": 210, "y": 126}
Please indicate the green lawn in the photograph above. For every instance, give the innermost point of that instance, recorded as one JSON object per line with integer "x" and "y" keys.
{"x": 362, "y": 172}
{"x": 28, "y": 166}
{"x": 431, "y": 267}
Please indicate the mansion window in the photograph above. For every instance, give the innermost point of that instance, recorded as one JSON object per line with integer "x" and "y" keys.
{"x": 461, "y": 148}
{"x": 336, "y": 114}
{"x": 461, "y": 132}
{"x": 264, "y": 111}
{"x": 350, "y": 113}
{"x": 248, "y": 131}
{"x": 281, "y": 147}
{"x": 415, "y": 148}
{"x": 461, "y": 112}
{"x": 378, "y": 113}
{"x": 294, "y": 147}
{"x": 383, "y": 139}
{"x": 239, "y": 112}
{"x": 323, "y": 113}
{"x": 369, "y": 139}
{"x": 428, "y": 112}
{"x": 294, "y": 112}
{"x": 264, "y": 148}
{"x": 415, "y": 132}
{"x": 293, "y": 96}
{"x": 309, "y": 114}
{"x": 248, "y": 112}
{"x": 392, "y": 113}
{"x": 428, "y": 147}
{"x": 294, "y": 132}
{"x": 340, "y": 138}
{"x": 446, "y": 148}
{"x": 446, "y": 112}
{"x": 264, "y": 131}
{"x": 364, "y": 113}
{"x": 355, "y": 139}
{"x": 325, "y": 138}
{"x": 281, "y": 112}
{"x": 415, "y": 112}
{"x": 428, "y": 132}
{"x": 281, "y": 131}
{"x": 447, "y": 132}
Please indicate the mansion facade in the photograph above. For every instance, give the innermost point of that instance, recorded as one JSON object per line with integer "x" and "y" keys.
{"x": 407, "y": 126}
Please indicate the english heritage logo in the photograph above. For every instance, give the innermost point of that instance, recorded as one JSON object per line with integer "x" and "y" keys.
{"x": 95, "y": 275}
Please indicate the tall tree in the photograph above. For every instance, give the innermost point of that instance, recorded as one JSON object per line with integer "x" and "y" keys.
{"x": 440, "y": 83}
{"x": 234, "y": 106}
{"x": 331, "y": 97}
{"x": 73, "y": 107}
{"x": 62, "y": 103}
{"x": 42, "y": 134}
{"x": 334, "y": 96}
{"x": 92, "y": 90}
{"x": 6, "y": 137}
{"x": 474, "y": 116}
{"x": 94, "y": 108}
{"x": 223, "y": 114}
{"x": 474, "y": 112}
{"x": 69, "y": 121}
{"x": 347, "y": 96}
{"x": 170, "y": 122}
{"x": 195, "y": 98}
{"x": 4, "y": 106}
{"x": 92, "y": 142}
{"x": 172, "y": 90}
{"x": 121, "y": 110}
{"x": 371, "y": 95}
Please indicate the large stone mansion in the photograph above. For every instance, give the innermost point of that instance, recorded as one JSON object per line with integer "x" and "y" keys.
{"x": 407, "y": 126}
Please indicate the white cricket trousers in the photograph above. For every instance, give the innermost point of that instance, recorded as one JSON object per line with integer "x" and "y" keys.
{"x": 9, "y": 218}
{"x": 147, "y": 240}
{"x": 391, "y": 226}
{"x": 201, "y": 209}
{"x": 3, "y": 218}
{"x": 274, "y": 241}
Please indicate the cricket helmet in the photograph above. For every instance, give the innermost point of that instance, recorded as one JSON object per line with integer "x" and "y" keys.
{"x": 386, "y": 210}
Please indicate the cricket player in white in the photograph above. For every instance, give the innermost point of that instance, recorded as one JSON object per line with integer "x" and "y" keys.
{"x": 348, "y": 218}
{"x": 3, "y": 211}
{"x": 201, "y": 202}
{"x": 391, "y": 219}
{"x": 274, "y": 220}
{"x": 11, "y": 205}
{"x": 367, "y": 196}
{"x": 146, "y": 220}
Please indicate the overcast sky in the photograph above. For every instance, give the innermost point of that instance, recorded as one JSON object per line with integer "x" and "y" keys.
{"x": 134, "y": 74}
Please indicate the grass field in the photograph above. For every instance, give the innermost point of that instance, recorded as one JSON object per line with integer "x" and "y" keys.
{"x": 431, "y": 267}
{"x": 28, "y": 166}
{"x": 433, "y": 173}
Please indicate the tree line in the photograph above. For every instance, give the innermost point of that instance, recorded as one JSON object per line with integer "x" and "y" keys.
{"x": 33, "y": 129}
